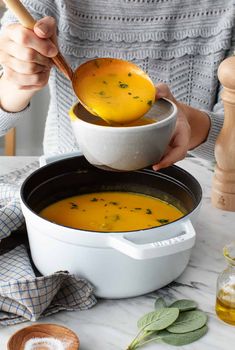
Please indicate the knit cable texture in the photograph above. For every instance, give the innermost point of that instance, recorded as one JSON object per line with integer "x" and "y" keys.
{"x": 178, "y": 42}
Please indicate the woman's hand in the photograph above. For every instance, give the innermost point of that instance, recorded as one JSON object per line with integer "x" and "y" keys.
{"x": 180, "y": 141}
{"x": 26, "y": 59}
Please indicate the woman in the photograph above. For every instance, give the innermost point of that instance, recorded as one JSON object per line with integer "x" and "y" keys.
{"x": 178, "y": 43}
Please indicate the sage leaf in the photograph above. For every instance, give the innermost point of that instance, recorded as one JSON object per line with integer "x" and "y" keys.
{"x": 188, "y": 321}
{"x": 182, "y": 339}
{"x": 159, "y": 303}
{"x": 184, "y": 304}
{"x": 158, "y": 320}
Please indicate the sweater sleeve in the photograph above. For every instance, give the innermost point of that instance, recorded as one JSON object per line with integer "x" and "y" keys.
{"x": 9, "y": 120}
{"x": 216, "y": 115}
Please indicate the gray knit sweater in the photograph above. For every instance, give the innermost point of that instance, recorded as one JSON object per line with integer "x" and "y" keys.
{"x": 179, "y": 42}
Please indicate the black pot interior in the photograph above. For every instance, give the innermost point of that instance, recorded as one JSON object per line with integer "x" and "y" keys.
{"x": 73, "y": 176}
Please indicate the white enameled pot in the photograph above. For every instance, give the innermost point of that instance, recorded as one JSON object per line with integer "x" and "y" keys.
{"x": 119, "y": 265}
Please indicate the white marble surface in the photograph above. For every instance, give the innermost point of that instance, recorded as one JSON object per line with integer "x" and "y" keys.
{"x": 111, "y": 324}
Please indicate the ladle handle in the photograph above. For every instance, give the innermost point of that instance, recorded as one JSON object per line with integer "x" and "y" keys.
{"x": 28, "y": 21}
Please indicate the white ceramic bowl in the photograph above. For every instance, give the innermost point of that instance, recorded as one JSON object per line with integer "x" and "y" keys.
{"x": 124, "y": 148}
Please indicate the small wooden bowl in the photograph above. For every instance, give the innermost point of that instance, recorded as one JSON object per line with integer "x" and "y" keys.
{"x": 19, "y": 339}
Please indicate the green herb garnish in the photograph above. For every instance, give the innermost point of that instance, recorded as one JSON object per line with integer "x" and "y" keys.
{"x": 150, "y": 102}
{"x": 116, "y": 217}
{"x": 73, "y": 205}
{"x": 148, "y": 211}
{"x": 94, "y": 199}
{"x": 129, "y": 74}
{"x": 163, "y": 221}
{"x": 159, "y": 303}
{"x": 123, "y": 85}
{"x": 184, "y": 304}
{"x": 97, "y": 64}
{"x": 172, "y": 324}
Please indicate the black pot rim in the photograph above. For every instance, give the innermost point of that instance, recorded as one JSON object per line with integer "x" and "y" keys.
{"x": 145, "y": 170}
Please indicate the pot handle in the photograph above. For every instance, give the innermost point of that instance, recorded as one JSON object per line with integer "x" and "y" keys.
{"x": 185, "y": 240}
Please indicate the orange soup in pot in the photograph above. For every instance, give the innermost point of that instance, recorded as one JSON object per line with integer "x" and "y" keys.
{"x": 111, "y": 212}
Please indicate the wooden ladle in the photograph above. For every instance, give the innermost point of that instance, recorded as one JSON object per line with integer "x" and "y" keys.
{"x": 118, "y": 91}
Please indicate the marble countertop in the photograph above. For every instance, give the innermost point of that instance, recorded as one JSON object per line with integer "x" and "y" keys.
{"x": 111, "y": 324}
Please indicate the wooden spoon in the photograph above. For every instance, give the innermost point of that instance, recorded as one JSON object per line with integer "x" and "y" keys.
{"x": 43, "y": 331}
{"x": 118, "y": 91}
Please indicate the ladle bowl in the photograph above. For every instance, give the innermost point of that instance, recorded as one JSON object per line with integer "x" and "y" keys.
{"x": 117, "y": 91}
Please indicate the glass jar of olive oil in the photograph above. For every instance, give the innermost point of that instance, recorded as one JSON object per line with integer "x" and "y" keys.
{"x": 225, "y": 294}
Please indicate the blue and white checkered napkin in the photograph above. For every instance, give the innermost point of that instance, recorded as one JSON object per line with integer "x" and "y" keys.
{"x": 11, "y": 217}
{"x": 23, "y": 296}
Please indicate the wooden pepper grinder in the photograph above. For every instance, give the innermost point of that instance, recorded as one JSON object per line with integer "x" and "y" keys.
{"x": 223, "y": 186}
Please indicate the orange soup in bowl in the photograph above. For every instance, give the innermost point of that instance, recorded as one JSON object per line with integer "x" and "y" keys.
{"x": 111, "y": 212}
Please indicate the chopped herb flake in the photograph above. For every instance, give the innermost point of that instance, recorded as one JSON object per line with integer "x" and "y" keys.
{"x": 163, "y": 221}
{"x": 129, "y": 93}
{"x": 150, "y": 102}
{"x": 148, "y": 211}
{"x": 123, "y": 85}
{"x": 115, "y": 217}
{"x": 73, "y": 205}
{"x": 114, "y": 203}
{"x": 105, "y": 82}
{"x": 129, "y": 74}
{"x": 101, "y": 93}
{"x": 135, "y": 97}
{"x": 94, "y": 199}
{"x": 138, "y": 208}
